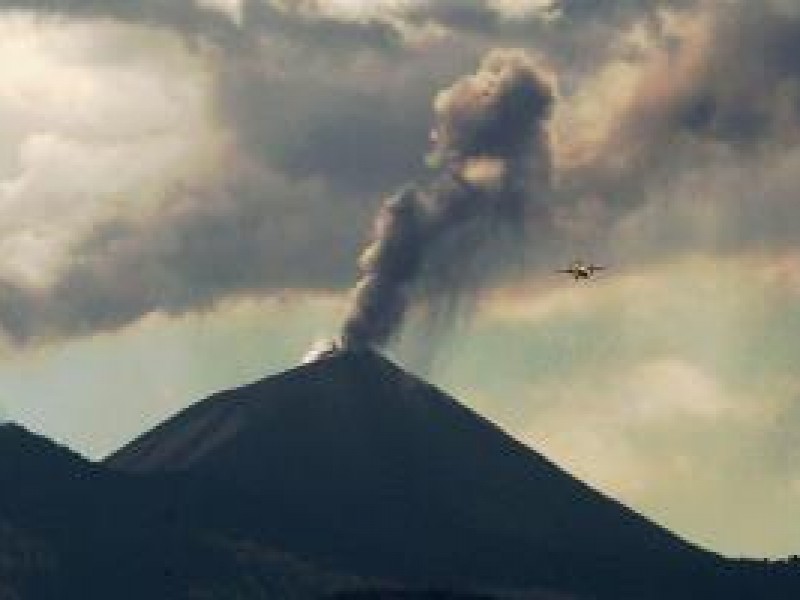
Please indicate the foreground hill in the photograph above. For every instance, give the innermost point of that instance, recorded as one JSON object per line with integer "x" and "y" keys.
{"x": 70, "y": 529}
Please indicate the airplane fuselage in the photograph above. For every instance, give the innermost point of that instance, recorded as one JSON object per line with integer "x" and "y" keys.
{"x": 582, "y": 271}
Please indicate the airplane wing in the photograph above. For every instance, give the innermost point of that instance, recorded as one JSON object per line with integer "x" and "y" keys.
{"x": 570, "y": 271}
{"x": 598, "y": 268}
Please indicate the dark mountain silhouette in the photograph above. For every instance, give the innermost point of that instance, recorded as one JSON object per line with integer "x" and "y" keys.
{"x": 345, "y": 478}
{"x": 70, "y": 529}
{"x": 362, "y": 468}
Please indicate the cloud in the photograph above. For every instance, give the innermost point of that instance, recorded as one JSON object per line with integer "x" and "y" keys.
{"x": 731, "y": 73}
{"x": 675, "y": 390}
{"x": 156, "y": 143}
{"x": 361, "y": 126}
{"x": 230, "y": 24}
{"x": 233, "y": 9}
{"x": 187, "y": 16}
{"x": 682, "y": 140}
{"x": 102, "y": 124}
{"x": 158, "y": 133}
{"x": 159, "y": 191}
{"x": 250, "y": 233}
{"x": 721, "y": 74}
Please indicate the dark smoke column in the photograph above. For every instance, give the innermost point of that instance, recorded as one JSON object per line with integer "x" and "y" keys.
{"x": 491, "y": 149}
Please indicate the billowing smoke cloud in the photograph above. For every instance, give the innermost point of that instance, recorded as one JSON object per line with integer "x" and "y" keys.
{"x": 491, "y": 144}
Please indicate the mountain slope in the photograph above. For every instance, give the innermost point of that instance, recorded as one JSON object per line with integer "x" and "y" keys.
{"x": 361, "y": 467}
{"x": 70, "y": 529}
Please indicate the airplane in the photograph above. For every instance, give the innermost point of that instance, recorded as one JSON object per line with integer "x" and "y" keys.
{"x": 580, "y": 270}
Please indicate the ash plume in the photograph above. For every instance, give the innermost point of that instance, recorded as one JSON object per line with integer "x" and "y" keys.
{"x": 492, "y": 154}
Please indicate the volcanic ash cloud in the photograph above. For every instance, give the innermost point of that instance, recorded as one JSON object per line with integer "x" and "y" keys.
{"x": 491, "y": 153}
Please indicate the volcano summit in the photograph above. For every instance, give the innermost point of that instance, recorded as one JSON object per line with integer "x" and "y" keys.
{"x": 362, "y": 468}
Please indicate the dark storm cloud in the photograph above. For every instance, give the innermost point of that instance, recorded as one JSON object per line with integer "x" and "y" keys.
{"x": 248, "y": 233}
{"x": 363, "y": 135}
{"x": 358, "y": 118}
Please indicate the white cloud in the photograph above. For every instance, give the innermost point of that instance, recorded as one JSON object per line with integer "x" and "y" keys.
{"x": 355, "y": 10}
{"x": 669, "y": 388}
{"x": 233, "y": 9}
{"x": 102, "y": 116}
{"x": 518, "y": 9}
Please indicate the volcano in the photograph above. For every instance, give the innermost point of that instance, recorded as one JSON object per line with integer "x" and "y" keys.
{"x": 343, "y": 478}
{"x": 363, "y": 468}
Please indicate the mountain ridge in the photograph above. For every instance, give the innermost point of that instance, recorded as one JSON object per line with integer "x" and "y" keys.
{"x": 399, "y": 480}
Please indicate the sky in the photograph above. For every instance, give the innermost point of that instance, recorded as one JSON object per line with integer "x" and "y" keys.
{"x": 186, "y": 187}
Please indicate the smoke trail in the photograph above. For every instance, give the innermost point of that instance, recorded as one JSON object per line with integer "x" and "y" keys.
{"x": 491, "y": 148}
